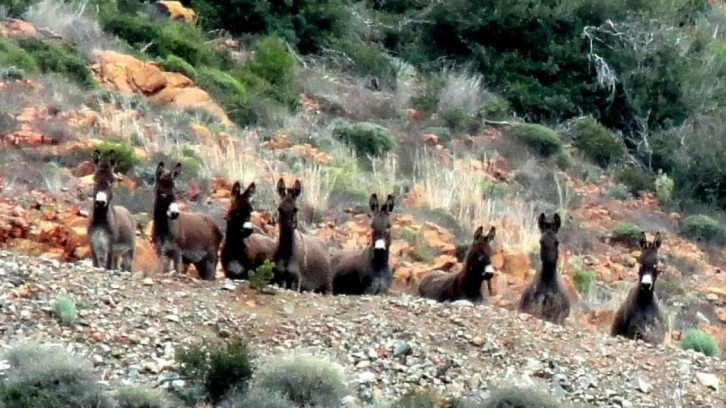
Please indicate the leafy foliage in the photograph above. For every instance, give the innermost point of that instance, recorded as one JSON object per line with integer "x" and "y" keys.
{"x": 65, "y": 310}
{"x": 257, "y": 397}
{"x": 261, "y": 277}
{"x": 540, "y": 139}
{"x": 695, "y": 339}
{"x": 597, "y": 142}
{"x": 627, "y": 233}
{"x": 126, "y": 157}
{"x": 519, "y": 398}
{"x": 139, "y": 397}
{"x": 57, "y": 59}
{"x": 702, "y": 227}
{"x": 367, "y": 138}
{"x": 172, "y": 63}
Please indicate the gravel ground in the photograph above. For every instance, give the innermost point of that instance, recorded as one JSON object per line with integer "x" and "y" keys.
{"x": 129, "y": 326}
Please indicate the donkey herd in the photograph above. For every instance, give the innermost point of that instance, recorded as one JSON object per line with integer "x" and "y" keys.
{"x": 302, "y": 263}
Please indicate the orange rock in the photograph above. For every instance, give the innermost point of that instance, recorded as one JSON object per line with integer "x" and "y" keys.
{"x": 176, "y": 11}
{"x": 17, "y": 28}
{"x": 516, "y": 266}
{"x": 148, "y": 79}
{"x": 200, "y": 131}
{"x": 720, "y": 314}
{"x": 84, "y": 169}
{"x": 431, "y": 139}
{"x": 145, "y": 260}
{"x": 444, "y": 262}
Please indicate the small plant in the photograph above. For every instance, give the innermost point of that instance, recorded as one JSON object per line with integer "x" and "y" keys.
{"x": 598, "y": 143}
{"x": 172, "y": 63}
{"x": 257, "y": 397}
{"x": 58, "y": 59}
{"x": 695, "y": 339}
{"x": 416, "y": 399}
{"x": 261, "y": 277}
{"x": 304, "y": 379}
{"x": 44, "y": 376}
{"x": 215, "y": 371}
{"x": 637, "y": 180}
{"x": 11, "y": 55}
{"x": 140, "y": 397}
{"x": 702, "y": 227}
{"x": 584, "y": 279}
{"x": 664, "y": 188}
{"x": 542, "y": 140}
{"x": 424, "y": 253}
{"x": 367, "y": 138}
{"x": 125, "y": 155}
{"x": 406, "y": 234}
{"x": 627, "y": 233}
{"x": 519, "y": 398}
{"x": 65, "y": 310}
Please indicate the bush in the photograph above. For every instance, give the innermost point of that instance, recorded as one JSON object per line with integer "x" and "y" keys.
{"x": 273, "y": 62}
{"x": 584, "y": 280}
{"x": 598, "y": 143}
{"x": 229, "y": 92}
{"x": 125, "y": 155}
{"x": 416, "y": 399}
{"x": 519, "y": 398}
{"x": 664, "y": 188}
{"x": 540, "y": 139}
{"x": 65, "y": 310}
{"x": 702, "y": 227}
{"x": 627, "y": 233}
{"x": 41, "y": 376}
{"x": 215, "y": 371}
{"x": 13, "y": 56}
{"x": 695, "y": 339}
{"x": 304, "y": 379}
{"x": 637, "y": 180}
{"x": 139, "y": 397}
{"x": 367, "y": 138}
{"x": 257, "y": 397}
{"x": 172, "y": 63}
{"x": 60, "y": 60}
{"x": 261, "y": 277}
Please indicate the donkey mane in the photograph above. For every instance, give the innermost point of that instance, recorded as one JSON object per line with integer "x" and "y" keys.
{"x": 367, "y": 271}
{"x": 243, "y": 250}
{"x": 111, "y": 227}
{"x": 544, "y": 297}
{"x": 182, "y": 238}
{"x": 639, "y": 316}
{"x": 465, "y": 284}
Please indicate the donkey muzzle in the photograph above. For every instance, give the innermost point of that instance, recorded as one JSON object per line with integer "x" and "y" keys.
{"x": 101, "y": 199}
{"x": 488, "y": 272}
{"x": 379, "y": 244}
{"x": 173, "y": 211}
{"x": 646, "y": 281}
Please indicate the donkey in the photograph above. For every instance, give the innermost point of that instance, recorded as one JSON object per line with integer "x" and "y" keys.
{"x": 181, "y": 237}
{"x": 367, "y": 272}
{"x": 243, "y": 250}
{"x": 301, "y": 261}
{"x": 544, "y": 297}
{"x": 111, "y": 229}
{"x": 639, "y": 317}
{"x": 465, "y": 284}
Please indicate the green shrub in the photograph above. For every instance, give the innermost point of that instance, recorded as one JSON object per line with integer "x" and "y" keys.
{"x": 273, "y": 62}
{"x": 664, "y": 188}
{"x": 304, "y": 379}
{"x": 13, "y": 56}
{"x": 65, "y": 310}
{"x": 367, "y": 138}
{"x": 443, "y": 133}
{"x": 695, "y": 339}
{"x": 60, "y": 60}
{"x": 43, "y": 376}
{"x": 540, "y": 139}
{"x": 16, "y": 8}
{"x": 635, "y": 179}
{"x": 125, "y": 155}
{"x": 215, "y": 371}
{"x": 519, "y": 398}
{"x": 261, "y": 277}
{"x": 702, "y": 227}
{"x": 172, "y": 63}
{"x": 416, "y": 399}
{"x": 140, "y": 397}
{"x": 424, "y": 253}
{"x": 598, "y": 143}
{"x": 627, "y": 233}
{"x": 584, "y": 280}
{"x": 229, "y": 92}
{"x": 257, "y": 397}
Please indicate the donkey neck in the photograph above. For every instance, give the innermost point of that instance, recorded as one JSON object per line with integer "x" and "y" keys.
{"x": 162, "y": 223}
{"x": 645, "y": 298}
{"x": 548, "y": 273}
{"x": 378, "y": 260}
{"x": 286, "y": 244}
{"x": 102, "y": 216}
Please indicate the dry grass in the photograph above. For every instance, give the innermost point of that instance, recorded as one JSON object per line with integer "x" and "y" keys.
{"x": 463, "y": 93}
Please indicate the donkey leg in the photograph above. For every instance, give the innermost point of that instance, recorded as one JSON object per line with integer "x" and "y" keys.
{"x": 127, "y": 261}
{"x": 94, "y": 258}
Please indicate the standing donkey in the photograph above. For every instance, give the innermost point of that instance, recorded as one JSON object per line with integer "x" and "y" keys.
{"x": 111, "y": 227}
{"x": 639, "y": 317}
{"x": 243, "y": 249}
{"x": 367, "y": 272}
{"x": 465, "y": 284}
{"x": 183, "y": 238}
{"x": 544, "y": 297}
{"x": 301, "y": 261}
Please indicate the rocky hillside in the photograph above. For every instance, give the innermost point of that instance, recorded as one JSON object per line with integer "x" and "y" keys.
{"x": 344, "y": 139}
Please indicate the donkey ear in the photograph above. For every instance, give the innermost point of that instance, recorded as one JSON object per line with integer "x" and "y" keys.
{"x": 112, "y": 158}
{"x": 235, "y": 189}
{"x": 658, "y": 240}
{"x": 296, "y": 189}
{"x": 281, "y": 190}
{"x": 159, "y": 170}
{"x": 96, "y": 157}
{"x": 177, "y": 171}
{"x": 542, "y": 221}
{"x": 478, "y": 233}
{"x": 491, "y": 234}
{"x": 373, "y": 202}
{"x": 643, "y": 240}
{"x": 389, "y": 204}
{"x": 558, "y": 222}
{"x": 251, "y": 188}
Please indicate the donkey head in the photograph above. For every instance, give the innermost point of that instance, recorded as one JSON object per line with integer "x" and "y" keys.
{"x": 549, "y": 243}
{"x": 240, "y": 210}
{"x": 381, "y": 222}
{"x": 480, "y": 254}
{"x": 648, "y": 272}
{"x": 287, "y": 210}
{"x": 165, "y": 190}
{"x": 103, "y": 178}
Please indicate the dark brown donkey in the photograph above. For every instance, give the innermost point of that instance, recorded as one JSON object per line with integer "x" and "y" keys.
{"x": 639, "y": 317}
{"x": 301, "y": 261}
{"x": 181, "y": 237}
{"x": 465, "y": 284}
{"x": 111, "y": 231}
{"x": 544, "y": 297}
{"x": 243, "y": 249}
{"x": 367, "y": 272}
